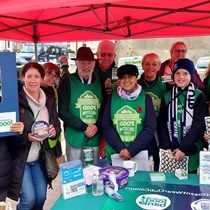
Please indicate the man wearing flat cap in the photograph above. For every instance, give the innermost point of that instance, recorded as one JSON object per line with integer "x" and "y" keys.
{"x": 79, "y": 106}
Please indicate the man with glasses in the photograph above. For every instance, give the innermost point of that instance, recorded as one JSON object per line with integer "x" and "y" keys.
{"x": 105, "y": 65}
{"x": 105, "y": 68}
{"x": 178, "y": 51}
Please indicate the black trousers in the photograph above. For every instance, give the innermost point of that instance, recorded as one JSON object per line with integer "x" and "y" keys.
{"x": 3, "y": 195}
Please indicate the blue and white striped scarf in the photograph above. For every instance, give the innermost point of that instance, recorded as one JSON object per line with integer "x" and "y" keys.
{"x": 187, "y": 115}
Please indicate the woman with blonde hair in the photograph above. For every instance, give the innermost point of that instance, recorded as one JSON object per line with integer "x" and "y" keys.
{"x": 154, "y": 87}
{"x": 150, "y": 81}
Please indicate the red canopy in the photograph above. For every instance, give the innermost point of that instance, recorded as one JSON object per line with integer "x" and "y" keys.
{"x": 64, "y": 20}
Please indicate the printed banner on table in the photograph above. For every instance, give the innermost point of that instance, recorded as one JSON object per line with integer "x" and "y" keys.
{"x": 159, "y": 196}
{"x": 8, "y": 93}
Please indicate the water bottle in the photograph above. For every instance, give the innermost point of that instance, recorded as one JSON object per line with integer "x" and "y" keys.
{"x": 97, "y": 184}
{"x": 88, "y": 155}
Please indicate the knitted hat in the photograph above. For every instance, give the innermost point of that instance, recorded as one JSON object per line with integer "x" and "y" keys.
{"x": 63, "y": 60}
{"x": 129, "y": 69}
{"x": 184, "y": 63}
{"x": 84, "y": 54}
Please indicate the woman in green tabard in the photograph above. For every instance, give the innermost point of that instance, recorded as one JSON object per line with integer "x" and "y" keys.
{"x": 181, "y": 118}
{"x": 154, "y": 87}
{"x": 79, "y": 106}
{"x": 150, "y": 81}
{"x": 129, "y": 117}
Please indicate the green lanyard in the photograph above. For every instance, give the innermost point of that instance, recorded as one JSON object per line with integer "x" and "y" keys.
{"x": 37, "y": 114}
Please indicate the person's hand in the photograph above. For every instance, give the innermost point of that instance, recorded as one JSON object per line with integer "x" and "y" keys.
{"x": 178, "y": 154}
{"x": 170, "y": 152}
{"x": 206, "y": 137}
{"x": 108, "y": 84}
{"x": 31, "y": 137}
{"x": 17, "y": 127}
{"x": 91, "y": 130}
{"x": 52, "y": 132}
{"x": 125, "y": 154}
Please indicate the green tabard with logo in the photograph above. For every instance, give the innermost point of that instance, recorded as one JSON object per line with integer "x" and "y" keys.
{"x": 156, "y": 92}
{"x": 127, "y": 117}
{"x": 85, "y": 104}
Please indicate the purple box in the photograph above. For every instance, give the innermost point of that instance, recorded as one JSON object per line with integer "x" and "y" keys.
{"x": 120, "y": 172}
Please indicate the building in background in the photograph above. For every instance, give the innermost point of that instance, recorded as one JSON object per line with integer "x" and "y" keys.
{"x": 10, "y": 46}
{"x": 197, "y": 47}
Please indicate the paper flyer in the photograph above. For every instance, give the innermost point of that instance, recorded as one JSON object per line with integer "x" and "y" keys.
{"x": 9, "y": 111}
{"x": 72, "y": 179}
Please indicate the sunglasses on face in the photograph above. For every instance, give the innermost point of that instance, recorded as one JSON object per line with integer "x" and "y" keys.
{"x": 107, "y": 54}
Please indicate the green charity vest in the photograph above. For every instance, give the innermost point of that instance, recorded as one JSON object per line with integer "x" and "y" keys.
{"x": 85, "y": 104}
{"x": 53, "y": 142}
{"x": 156, "y": 92}
{"x": 128, "y": 118}
{"x": 193, "y": 163}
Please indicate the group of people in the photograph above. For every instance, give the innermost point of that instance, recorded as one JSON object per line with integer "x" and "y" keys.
{"x": 124, "y": 116}
{"x": 130, "y": 115}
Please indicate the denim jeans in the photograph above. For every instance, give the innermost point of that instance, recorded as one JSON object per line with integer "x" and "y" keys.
{"x": 34, "y": 188}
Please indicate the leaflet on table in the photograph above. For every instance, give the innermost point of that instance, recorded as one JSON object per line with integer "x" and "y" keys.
{"x": 72, "y": 179}
{"x": 204, "y": 167}
{"x": 141, "y": 158}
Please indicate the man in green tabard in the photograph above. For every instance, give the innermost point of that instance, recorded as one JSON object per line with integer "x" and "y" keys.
{"x": 79, "y": 106}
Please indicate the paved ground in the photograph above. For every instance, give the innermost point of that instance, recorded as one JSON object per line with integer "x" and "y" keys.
{"x": 52, "y": 195}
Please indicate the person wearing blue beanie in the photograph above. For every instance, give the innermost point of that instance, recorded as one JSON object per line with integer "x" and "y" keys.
{"x": 181, "y": 123}
{"x": 184, "y": 63}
